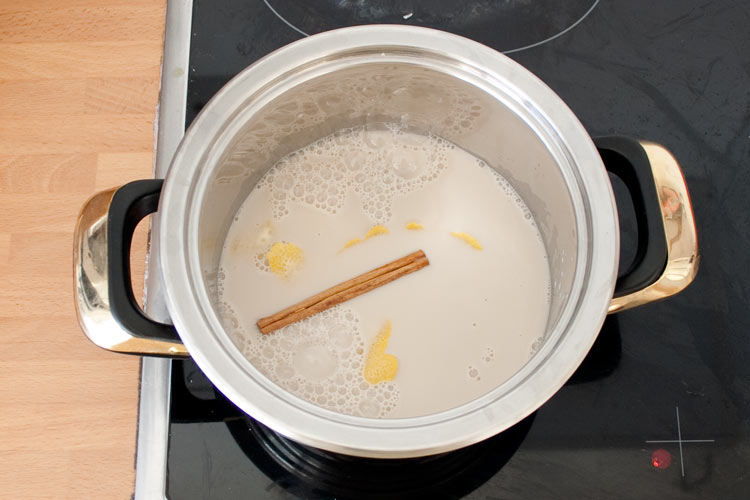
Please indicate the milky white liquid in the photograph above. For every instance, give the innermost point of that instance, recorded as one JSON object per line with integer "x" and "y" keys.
{"x": 460, "y": 326}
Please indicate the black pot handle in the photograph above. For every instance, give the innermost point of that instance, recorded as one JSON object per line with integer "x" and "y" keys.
{"x": 626, "y": 158}
{"x": 130, "y": 204}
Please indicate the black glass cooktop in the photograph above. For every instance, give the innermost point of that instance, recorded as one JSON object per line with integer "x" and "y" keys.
{"x": 660, "y": 409}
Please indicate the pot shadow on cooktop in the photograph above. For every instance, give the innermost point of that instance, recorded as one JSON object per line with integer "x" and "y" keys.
{"x": 603, "y": 357}
{"x": 308, "y": 472}
{"x": 311, "y": 473}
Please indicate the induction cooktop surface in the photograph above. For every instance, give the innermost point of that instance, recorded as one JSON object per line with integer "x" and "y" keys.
{"x": 660, "y": 408}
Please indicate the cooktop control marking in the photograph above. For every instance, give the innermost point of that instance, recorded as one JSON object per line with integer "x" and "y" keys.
{"x": 679, "y": 440}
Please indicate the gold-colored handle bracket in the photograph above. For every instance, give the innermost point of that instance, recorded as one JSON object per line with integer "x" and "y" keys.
{"x": 91, "y": 287}
{"x": 679, "y": 230}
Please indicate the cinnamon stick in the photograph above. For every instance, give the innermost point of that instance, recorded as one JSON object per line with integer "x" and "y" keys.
{"x": 344, "y": 291}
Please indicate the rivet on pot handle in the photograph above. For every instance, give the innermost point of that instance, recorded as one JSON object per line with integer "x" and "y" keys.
{"x": 105, "y": 304}
{"x": 667, "y": 257}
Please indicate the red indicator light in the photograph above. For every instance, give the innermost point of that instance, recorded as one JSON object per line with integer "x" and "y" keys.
{"x": 661, "y": 459}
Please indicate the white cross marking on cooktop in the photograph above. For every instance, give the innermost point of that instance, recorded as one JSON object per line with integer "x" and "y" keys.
{"x": 680, "y": 440}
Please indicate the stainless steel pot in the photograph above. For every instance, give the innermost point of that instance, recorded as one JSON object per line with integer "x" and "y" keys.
{"x": 428, "y": 81}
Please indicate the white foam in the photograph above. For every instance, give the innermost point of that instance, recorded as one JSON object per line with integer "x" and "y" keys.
{"x": 315, "y": 359}
{"x": 356, "y": 157}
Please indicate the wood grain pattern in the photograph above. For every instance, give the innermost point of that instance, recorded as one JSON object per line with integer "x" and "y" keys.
{"x": 51, "y": 60}
{"x": 79, "y": 86}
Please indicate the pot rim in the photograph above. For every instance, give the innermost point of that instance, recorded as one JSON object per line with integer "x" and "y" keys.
{"x": 524, "y": 392}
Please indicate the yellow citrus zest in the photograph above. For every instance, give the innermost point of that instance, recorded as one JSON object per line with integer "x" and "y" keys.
{"x": 284, "y": 258}
{"x": 468, "y": 239}
{"x": 376, "y": 231}
{"x": 352, "y": 242}
{"x": 380, "y": 366}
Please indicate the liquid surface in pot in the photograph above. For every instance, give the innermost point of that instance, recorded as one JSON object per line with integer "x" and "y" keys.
{"x": 357, "y": 200}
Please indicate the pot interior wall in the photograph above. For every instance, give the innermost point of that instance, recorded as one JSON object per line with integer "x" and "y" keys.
{"x": 481, "y": 118}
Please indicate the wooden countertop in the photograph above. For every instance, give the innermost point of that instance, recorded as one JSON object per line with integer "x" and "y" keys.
{"x": 79, "y": 86}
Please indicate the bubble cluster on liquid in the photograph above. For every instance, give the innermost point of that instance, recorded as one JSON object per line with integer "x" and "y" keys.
{"x": 320, "y": 359}
{"x": 377, "y": 162}
{"x": 488, "y": 355}
{"x": 232, "y": 325}
{"x": 261, "y": 261}
{"x": 538, "y": 342}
